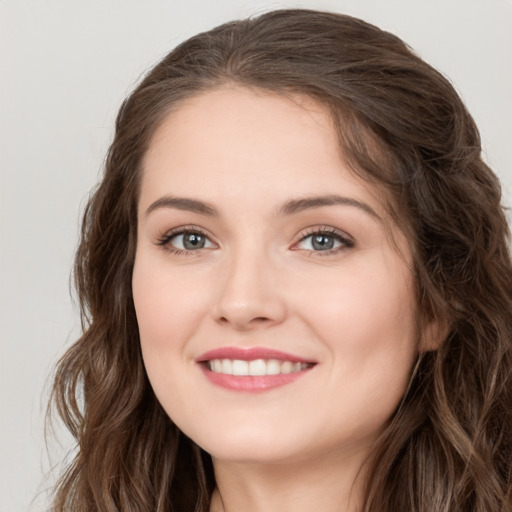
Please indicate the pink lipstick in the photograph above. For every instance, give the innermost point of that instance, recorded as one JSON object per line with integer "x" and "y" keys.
{"x": 253, "y": 369}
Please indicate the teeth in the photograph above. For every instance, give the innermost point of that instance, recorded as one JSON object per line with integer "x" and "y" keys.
{"x": 273, "y": 367}
{"x": 287, "y": 367}
{"x": 240, "y": 367}
{"x": 227, "y": 366}
{"x": 255, "y": 367}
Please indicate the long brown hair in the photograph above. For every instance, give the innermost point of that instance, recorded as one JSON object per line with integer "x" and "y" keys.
{"x": 401, "y": 125}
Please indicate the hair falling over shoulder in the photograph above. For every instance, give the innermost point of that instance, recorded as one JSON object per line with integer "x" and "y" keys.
{"x": 448, "y": 447}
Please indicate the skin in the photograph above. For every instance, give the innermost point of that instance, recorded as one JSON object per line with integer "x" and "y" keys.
{"x": 258, "y": 281}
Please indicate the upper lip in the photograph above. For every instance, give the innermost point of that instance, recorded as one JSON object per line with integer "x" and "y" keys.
{"x": 249, "y": 354}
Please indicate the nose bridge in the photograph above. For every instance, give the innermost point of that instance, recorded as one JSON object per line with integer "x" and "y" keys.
{"x": 249, "y": 295}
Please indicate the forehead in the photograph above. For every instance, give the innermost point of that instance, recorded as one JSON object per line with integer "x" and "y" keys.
{"x": 236, "y": 121}
{"x": 245, "y": 137}
{"x": 249, "y": 152}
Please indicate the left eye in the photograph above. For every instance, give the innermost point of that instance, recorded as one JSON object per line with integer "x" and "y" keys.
{"x": 321, "y": 241}
{"x": 190, "y": 241}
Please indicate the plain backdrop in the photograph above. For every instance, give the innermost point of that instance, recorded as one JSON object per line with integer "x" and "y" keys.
{"x": 65, "y": 67}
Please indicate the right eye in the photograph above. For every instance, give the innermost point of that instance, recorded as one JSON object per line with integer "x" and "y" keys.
{"x": 186, "y": 241}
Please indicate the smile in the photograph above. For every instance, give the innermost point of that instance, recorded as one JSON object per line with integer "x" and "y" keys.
{"x": 257, "y": 367}
{"x": 252, "y": 370}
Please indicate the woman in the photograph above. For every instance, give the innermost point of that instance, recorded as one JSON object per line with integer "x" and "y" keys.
{"x": 296, "y": 286}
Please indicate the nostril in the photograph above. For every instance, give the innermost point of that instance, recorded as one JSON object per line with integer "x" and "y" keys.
{"x": 258, "y": 319}
{"x": 244, "y": 322}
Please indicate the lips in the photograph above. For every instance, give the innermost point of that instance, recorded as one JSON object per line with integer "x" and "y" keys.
{"x": 249, "y": 354}
{"x": 252, "y": 369}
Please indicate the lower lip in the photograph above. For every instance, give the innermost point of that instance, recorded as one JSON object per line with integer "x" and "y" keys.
{"x": 252, "y": 383}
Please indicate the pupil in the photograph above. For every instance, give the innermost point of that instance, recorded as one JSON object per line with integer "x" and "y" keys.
{"x": 193, "y": 241}
{"x": 322, "y": 242}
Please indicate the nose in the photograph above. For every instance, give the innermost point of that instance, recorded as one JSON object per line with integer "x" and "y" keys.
{"x": 251, "y": 294}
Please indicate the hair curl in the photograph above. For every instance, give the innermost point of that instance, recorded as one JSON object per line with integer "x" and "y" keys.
{"x": 448, "y": 447}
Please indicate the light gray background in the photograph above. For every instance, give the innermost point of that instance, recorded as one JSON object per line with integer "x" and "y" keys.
{"x": 65, "y": 67}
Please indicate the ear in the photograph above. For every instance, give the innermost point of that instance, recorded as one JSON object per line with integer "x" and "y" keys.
{"x": 433, "y": 334}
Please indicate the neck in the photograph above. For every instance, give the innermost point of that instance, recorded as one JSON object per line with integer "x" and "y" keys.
{"x": 329, "y": 485}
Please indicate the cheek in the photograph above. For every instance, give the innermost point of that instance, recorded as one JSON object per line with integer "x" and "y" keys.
{"x": 168, "y": 311}
{"x": 370, "y": 333}
{"x": 156, "y": 310}
{"x": 366, "y": 320}
{"x": 166, "y": 305}
{"x": 365, "y": 299}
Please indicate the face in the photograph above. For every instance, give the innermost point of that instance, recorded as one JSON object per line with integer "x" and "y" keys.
{"x": 274, "y": 297}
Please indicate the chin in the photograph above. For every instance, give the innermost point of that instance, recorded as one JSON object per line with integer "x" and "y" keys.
{"x": 251, "y": 445}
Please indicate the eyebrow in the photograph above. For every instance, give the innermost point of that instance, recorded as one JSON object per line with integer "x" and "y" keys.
{"x": 183, "y": 203}
{"x": 299, "y": 205}
{"x": 289, "y": 208}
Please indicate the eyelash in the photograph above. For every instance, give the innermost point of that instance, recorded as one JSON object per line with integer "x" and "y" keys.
{"x": 345, "y": 241}
{"x": 164, "y": 241}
